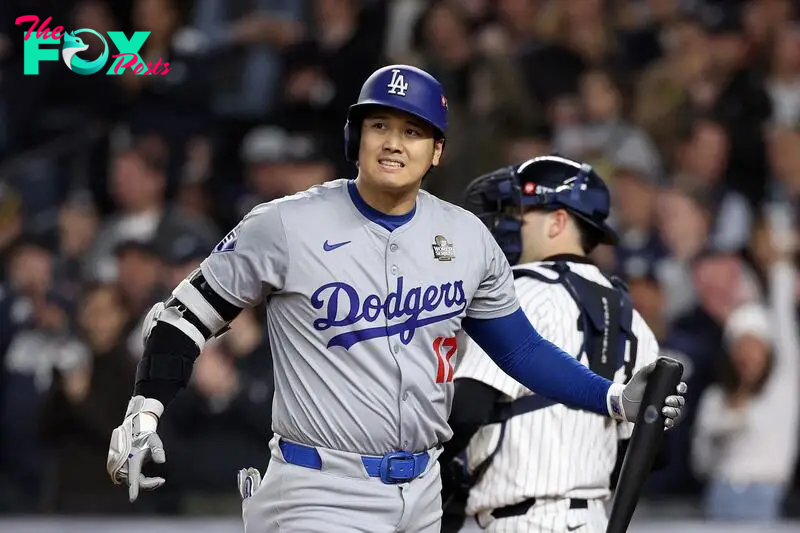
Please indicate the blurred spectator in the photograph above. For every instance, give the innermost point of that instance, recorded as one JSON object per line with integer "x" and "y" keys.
{"x": 603, "y": 134}
{"x": 173, "y": 102}
{"x": 185, "y": 255}
{"x": 324, "y": 73}
{"x": 42, "y": 342}
{"x": 684, "y": 221}
{"x": 783, "y": 81}
{"x": 735, "y": 94}
{"x": 78, "y": 223}
{"x": 83, "y": 407}
{"x": 647, "y": 30}
{"x": 278, "y": 163}
{"x": 138, "y": 184}
{"x": 240, "y": 43}
{"x": 663, "y": 91}
{"x": 138, "y": 280}
{"x": 635, "y": 199}
{"x": 702, "y": 155}
{"x": 746, "y": 432}
{"x": 721, "y": 283}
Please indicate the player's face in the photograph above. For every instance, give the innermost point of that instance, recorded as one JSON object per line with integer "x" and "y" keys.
{"x": 545, "y": 233}
{"x": 397, "y": 149}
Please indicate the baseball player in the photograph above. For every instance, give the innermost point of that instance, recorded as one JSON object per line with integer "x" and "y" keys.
{"x": 535, "y": 465}
{"x": 366, "y": 283}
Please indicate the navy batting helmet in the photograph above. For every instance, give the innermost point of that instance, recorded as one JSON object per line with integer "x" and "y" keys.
{"x": 401, "y": 87}
{"x": 548, "y": 182}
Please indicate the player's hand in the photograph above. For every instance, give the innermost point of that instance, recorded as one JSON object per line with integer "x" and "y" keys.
{"x": 630, "y": 398}
{"x": 133, "y": 444}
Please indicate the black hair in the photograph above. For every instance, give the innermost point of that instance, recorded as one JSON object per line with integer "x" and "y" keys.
{"x": 590, "y": 236}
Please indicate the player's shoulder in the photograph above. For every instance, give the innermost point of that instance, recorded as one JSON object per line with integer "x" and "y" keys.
{"x": 539, "y": 287}
{"x": 450, "y": 210}
{"x": 313, "y": 196}
{"x": 316, "y": 194}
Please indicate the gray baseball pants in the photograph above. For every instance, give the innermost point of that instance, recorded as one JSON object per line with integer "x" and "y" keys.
{"x": 341, "y": 498}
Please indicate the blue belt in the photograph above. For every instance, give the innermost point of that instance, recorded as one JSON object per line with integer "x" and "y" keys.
{"x": 394, "y": 467}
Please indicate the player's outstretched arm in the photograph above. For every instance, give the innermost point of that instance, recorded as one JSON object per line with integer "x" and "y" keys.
{"x": 247, "y": 265}
{"x": 174, "y": 334}
{"x": 518, "y": 349}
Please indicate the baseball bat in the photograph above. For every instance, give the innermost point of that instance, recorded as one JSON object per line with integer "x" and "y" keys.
{"x": 648, "y": 434}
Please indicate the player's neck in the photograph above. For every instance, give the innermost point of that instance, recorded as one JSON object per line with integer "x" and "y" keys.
{"x": 389, "y": 202}
{"x": 540, "y": 255}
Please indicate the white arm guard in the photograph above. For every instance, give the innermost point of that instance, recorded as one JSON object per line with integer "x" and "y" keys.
{"x": 193, "y": 302}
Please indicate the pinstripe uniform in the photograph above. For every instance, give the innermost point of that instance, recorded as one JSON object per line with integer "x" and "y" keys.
{"x": 553, "y": 454}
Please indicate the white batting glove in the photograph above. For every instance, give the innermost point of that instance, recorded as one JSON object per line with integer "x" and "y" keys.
{"x": 134, "y": 443}
{"x": 624, "y": 400}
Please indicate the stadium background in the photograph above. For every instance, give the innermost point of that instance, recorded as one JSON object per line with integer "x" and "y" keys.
{"x": 112, "y": 188}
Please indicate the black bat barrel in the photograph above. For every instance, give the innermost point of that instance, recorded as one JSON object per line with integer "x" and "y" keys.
{"x": 648, "y": 434}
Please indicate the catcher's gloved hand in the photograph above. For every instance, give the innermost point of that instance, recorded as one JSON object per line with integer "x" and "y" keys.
{"x": 134, "y": 443}
{"x": 624, "y": 400}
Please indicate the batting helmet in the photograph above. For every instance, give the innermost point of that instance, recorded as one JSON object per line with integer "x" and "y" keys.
{"x": 401, "y": 87}
{"x": 549, "y": 182}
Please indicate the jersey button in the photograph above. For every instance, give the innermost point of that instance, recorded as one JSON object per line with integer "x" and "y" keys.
{"x": 394, "y": 269}
{"x": 393, "y": 247}
{"x": 405, "y": 396}
{"x": 395, "y": 348}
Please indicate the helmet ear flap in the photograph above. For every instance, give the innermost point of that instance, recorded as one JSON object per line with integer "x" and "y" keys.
{"x": 352, "y": 141}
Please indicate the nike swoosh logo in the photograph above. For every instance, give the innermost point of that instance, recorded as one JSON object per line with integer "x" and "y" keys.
{"x": 329, "y": 247}
{"x": 573, "y": 528}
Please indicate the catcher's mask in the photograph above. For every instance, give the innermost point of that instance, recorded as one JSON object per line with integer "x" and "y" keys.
{"x": 550, "y": 182}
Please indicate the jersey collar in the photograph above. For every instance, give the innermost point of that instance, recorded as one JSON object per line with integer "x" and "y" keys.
{"x": 571, "y": 258}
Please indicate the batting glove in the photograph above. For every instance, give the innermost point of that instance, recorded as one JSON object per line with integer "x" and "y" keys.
{"x": 133, "y": 444}
{"x": 624, "y": 401}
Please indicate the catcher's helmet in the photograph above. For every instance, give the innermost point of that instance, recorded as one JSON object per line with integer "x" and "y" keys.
{"x": 548, "y": 182}
{"x": 401, "y": 87}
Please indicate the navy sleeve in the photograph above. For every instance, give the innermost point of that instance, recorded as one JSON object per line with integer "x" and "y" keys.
{"x": 518, "y": 349}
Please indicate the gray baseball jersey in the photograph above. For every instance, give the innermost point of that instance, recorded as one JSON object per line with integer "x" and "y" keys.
{"x": 362, "y": 321}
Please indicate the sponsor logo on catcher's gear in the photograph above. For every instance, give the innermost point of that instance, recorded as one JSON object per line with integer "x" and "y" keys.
{"x": 443, "y": 250}
{"x": 398, "y": 84}
{"x": 344, "y": 307}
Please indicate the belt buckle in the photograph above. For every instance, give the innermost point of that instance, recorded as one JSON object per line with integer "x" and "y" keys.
{"x": 391, "y": 472}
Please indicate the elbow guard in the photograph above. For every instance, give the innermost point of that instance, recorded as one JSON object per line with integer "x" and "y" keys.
{"x": 174, "y": 333}
{"x": 194, "y": 309}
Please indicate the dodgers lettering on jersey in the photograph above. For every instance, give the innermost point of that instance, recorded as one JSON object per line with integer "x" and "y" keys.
{"x": 337, "y": 295}
{"x": 362, "y": 321}
{"x": 554, "y": 452}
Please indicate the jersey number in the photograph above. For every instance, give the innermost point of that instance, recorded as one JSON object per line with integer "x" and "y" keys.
{"x": 444, "y": 348}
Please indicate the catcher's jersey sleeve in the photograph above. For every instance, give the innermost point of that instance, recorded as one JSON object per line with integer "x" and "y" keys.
{"x": 251, "y": 261}
{"x": 495, "y": 296}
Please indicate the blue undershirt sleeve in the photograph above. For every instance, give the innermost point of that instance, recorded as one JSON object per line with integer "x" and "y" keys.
{"x": 518, "y": 349}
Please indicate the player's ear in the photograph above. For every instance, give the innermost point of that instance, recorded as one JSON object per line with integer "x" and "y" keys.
{"x": 438, "y": 148}
{"x": 558, "y": 223}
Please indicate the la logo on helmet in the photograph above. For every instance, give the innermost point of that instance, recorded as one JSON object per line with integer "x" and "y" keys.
{"x": 398, "y": 84}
